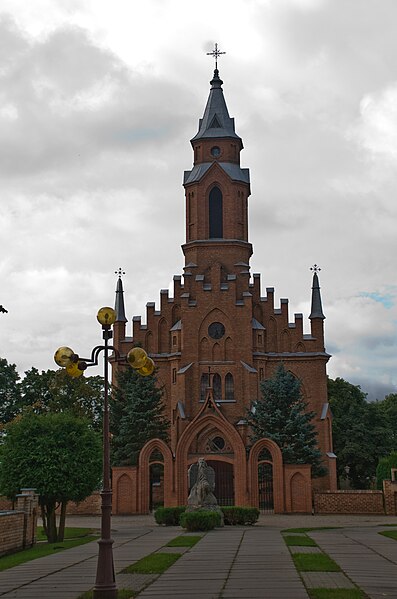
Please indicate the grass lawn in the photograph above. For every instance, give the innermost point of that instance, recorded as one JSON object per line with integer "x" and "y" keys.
{"x": 155, "y": 563}
{"x": 335, "y": 594}
{"x": 41, "y": 550}
{"x": 309, "y": 529}
{"x": 70, "y": 533}
{"x": 392, "y": 534}
{"x": 299, "y": 541}
{"x": 314, "y": 562}
{"x": 184, "y": 541}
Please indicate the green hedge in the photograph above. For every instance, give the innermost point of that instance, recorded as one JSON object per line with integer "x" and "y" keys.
{"x": 169, "y": 516}
{"x": 242, "y": 516}
{"x": 234, "y": 515}
{"x": 200, "y": 520}
{"x": 383, "y": 469}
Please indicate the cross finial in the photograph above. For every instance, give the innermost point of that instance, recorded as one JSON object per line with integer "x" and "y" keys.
{"x": 215, "y": 53}
{"x": 119, "y": 272}
{"x": 315, "y": 268}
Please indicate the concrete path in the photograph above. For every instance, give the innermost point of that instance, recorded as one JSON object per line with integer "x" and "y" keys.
{"x": 229, "y": 563}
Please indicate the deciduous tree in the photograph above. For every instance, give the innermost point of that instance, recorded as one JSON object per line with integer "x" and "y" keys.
{"x": 57, "y": 454}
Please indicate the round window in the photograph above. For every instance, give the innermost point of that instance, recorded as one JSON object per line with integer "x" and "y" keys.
{"x": 218, "y": 443}
{"x": 215, "y": 151}
{"x": 216, "y": 330}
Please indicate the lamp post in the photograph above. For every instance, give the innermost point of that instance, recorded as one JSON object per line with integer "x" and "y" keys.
{"x": 105, "y": 583}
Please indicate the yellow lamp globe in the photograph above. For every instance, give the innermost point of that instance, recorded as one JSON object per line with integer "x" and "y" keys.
{"x": 63, "y": 356}
{"x": 73, "y": 369}
{"x": 148, "y": 368}
{"x": 106, "y": 316}
{"x": 137, "y": 357}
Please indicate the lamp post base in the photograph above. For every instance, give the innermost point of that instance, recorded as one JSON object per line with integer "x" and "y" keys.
{"x": 105, "y": 584}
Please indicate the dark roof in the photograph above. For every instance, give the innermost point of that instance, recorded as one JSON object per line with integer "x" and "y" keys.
{"x": 216, "y": 121}
{"x": 119, "y": 303}
{"x": 232, "y": 170}
{"x": 317, "y": 309}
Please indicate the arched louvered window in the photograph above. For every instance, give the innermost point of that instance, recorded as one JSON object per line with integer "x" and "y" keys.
{"x": 203, "y": 386}
{"x": 217, "y": 386}
{"x": 229, "y": 387}
{"x": 215, "y": 212}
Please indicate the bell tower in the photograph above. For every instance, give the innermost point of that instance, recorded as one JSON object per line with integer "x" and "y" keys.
{"x": 217, "y": 190}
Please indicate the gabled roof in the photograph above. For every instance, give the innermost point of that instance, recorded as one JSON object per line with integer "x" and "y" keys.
{"x": 216, "y": 121}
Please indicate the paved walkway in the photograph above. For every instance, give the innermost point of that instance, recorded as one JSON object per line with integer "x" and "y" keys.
{"x": 229, "y": 563}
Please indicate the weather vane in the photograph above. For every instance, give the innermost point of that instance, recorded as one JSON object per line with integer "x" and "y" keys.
{"x": 215, "y": 53}
{"x": 315, "y": 268}
{"x": 119, "y": 272}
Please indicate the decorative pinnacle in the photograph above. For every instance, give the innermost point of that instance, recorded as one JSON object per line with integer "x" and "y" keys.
{"x": 215, "y": 53}
{"x": 119, "y": 272}
{"x": 315, "y": 268}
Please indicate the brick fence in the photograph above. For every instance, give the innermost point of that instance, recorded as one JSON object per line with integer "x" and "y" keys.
{"x": 18, "y": 527}
{"x": 349, "y": 502}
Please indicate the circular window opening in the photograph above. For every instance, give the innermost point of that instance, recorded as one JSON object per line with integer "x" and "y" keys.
{"x": 216, "y": 151}
{"x": 216, "y": 330}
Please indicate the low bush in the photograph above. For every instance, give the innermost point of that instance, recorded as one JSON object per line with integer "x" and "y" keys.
{"x": 200, "y": 520}
{"x": 243, "y": 516}
{"x": 169, "y": 516}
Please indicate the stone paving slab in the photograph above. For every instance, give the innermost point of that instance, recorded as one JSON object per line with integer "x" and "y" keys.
{"x": 328, "y": 580}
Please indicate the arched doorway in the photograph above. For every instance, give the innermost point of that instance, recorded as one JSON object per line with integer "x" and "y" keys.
{"x": 156, "y": 480}
{"x": 224, "y": 481}
{"x": 265, "y": 482}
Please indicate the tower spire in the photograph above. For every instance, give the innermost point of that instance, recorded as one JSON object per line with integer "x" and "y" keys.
{"x": 119, "y": 302}
{"x": 317, "y": 309}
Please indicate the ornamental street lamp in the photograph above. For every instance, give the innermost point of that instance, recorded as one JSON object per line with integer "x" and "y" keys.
{"x": 105, "y": 583}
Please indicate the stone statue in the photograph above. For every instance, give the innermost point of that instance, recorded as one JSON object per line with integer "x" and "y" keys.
{"x": 202, "y": 485}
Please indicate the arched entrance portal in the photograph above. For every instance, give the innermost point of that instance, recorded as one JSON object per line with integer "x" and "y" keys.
{"x": 224, "y": 481}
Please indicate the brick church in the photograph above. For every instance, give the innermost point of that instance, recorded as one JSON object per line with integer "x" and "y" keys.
{"x": 215, "y": 340}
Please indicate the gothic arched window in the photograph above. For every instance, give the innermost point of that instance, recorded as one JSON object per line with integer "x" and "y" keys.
{"x": 215, "y": 213}
{"x": 229, "y": 387}
{"x": 217, "y": 387}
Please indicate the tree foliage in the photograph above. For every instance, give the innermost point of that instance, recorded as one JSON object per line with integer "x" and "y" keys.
{"x": 9, "y": 391}
{"x": 57, "y": 454}
{"x": 361, "y": 432}
{"x": 49, "y": 391}
{"x": 281, "y": 415}
{"x": 137, "y": 415}
{"x": 383, "y": 469}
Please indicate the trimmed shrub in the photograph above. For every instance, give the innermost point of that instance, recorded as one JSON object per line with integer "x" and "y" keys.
{"x": 169, "y": 516}
{"x": 200, "y": 520}
{"x": 242, "y": 516}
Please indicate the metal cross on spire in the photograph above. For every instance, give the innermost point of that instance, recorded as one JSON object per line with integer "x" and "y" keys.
{"x": 119, "y": 272}
{"x": 315, "y": 268}
{"x": 215, "y": 53}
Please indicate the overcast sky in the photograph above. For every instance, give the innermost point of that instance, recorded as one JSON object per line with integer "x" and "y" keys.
{"x": 98, "y": 102}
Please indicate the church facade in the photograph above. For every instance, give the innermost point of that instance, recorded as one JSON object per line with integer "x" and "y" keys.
{"x": 215, "y": 340}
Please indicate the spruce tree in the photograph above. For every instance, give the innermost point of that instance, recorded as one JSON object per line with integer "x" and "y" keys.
{"x": 281, "y": 415}
{"x": 137, "y": 415}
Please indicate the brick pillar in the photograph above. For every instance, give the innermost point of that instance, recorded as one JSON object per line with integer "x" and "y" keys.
{"x": 390, "y": 497}
{"x": 27, "y": 502}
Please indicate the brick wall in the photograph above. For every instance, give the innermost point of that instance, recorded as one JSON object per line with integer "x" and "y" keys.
{"x": 91, "y": 506}
{"x": 349, "y": 502}
{"x": 18, "y": 527}
{"x": 6, "y": 504}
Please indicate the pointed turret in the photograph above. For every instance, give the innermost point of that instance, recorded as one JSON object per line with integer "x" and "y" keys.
{"x": 317, "y": 309}
{"x": 119, "y": 302}
{"x": 216, "y": 122}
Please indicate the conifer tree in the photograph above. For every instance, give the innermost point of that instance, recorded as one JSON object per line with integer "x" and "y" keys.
{"x": 137, "y": 415}
{"x": 281, "y": 415}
